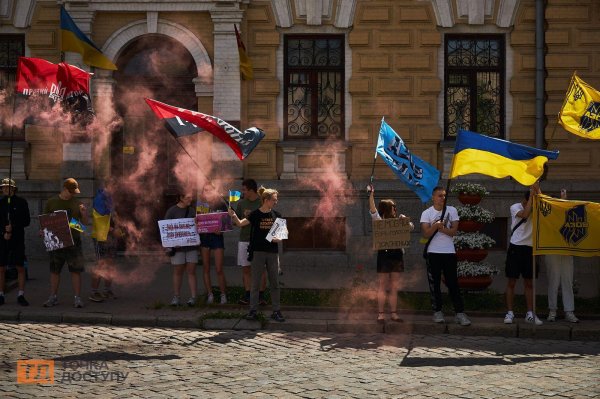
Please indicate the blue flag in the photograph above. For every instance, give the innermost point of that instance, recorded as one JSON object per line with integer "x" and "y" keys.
{"x": 417, "y": 174}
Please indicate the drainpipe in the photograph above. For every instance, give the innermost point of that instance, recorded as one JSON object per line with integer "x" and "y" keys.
{"x": 540, "y": 72}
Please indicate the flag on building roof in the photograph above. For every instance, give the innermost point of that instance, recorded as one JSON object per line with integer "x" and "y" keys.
{"x": 417, "y": 174}
{"x": 477, "y": 153}
{"x": 73, "y": 39}
{"x": 246, "y": 69}
{"x": 183, "y": 122}
{"x": 565, "y": 227}
{"x": 580, "y": 113}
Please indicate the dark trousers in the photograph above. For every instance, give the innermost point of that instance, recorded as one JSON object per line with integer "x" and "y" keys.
{"x": 436, "y": 265}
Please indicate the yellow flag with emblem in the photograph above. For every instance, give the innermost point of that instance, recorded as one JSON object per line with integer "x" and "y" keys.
{"x": 580, "y": 113}
{"x": 565, "y": 227}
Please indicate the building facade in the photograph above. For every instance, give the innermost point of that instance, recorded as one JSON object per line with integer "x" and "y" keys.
{"x": 325, "y": 73}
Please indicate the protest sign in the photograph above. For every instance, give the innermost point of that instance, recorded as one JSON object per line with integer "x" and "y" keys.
{"x": 178, "y": 233}
{"x": 55, "y": 230}
{"x": 215, "y": 222}
{"x": 278, "y": 230}
{"x": 391, "y": 233}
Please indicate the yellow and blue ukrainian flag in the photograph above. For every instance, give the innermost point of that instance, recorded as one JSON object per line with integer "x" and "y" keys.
{"x": 565, "y": 227}
{"x": 417, "y": 174}
{"x": 477, "y": 153}
{"x": 234, "y": 196}
{"x": 580, "y": 113}
{"x": 73, "y": 39}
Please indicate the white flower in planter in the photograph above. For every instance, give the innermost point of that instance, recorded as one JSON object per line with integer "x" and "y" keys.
{"x": 466, "y": 268}
{"x": 473, "y": 241}
{"x": 475, "y": 213}
{"x": 469, "y": 188}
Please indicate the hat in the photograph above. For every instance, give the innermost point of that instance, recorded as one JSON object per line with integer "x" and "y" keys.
{"x": 8, "y": 182}
{"x": 71, "y": 185}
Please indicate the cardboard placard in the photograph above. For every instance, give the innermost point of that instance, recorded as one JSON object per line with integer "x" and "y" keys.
{"x": 391, "y": 233}
{"x": 178, "y": 233}
{"x": 55, "y": 230}
{"x": 215, "y": 222}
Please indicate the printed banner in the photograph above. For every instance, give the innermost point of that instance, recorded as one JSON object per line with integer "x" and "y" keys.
{"x": 565, "y": 227}
{"x": 278, "y": 230}
{"x": 215, "y": 222}
{"x": 178, "y": 233}
{"x": 391, "y": 233}
{"x": 56, "y": 231}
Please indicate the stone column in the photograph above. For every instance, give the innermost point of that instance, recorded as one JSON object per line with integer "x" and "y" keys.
{"x": 227, "y": 85}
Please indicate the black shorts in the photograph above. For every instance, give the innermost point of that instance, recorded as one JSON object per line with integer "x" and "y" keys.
{"x": 390, "y": 261}
{"x": 11, "y": 255}
{"x": 212, "y": 241}
{"x": 519, "y": 261}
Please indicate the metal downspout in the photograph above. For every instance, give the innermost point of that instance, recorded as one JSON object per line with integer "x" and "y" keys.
{"x": 540, "y": 73}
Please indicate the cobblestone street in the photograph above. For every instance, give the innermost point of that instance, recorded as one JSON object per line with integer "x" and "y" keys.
{"x": 140, "y": 362}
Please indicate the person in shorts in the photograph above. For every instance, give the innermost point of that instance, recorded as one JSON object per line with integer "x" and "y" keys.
{"x": 519, "y": 258}
{"x": 73, "y": 256}
{"x": 213, "y": 243}
{"x": 245, "y": 206}
{"x": 184, "y": 258}
{"x": 14, "y": 217}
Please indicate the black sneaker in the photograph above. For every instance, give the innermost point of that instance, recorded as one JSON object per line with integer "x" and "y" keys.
{"x": 277, "y": 316}
{"x": 22, "y": 301}
{"x": 1, "y": 299}
{"x": 252, "y": 315}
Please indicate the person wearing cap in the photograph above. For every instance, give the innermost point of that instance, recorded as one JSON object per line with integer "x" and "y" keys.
{"x": 14, "y": 217}
{"x": 72, "y": 256}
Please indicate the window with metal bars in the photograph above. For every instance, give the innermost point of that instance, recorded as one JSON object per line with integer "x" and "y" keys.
{"x": 474, "y": 85}
{"x": 11, "y": 48}
{"x": 314, "y": 86}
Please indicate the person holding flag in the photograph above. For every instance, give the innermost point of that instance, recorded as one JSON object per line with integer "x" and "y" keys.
{"x": 390, "y": 262}
{"x": 250, "y": 202}
{"x": 439, "y": 223}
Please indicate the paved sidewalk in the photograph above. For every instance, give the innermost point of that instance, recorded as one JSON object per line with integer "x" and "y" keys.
{"x": 144, "y": 288}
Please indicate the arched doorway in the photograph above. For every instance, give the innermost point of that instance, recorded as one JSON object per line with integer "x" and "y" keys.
{"x": 143, "y": 151}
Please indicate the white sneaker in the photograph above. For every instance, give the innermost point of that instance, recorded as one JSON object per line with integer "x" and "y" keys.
{"x": 571, "y": 318}
{"x": 531, "y": 319}
{"x": 462, "y": 319}
{"x": 508, "y": 319}
{"x": 210, "y": 298}
{"x": 223, "y": 299}
{"x": 438, "y": 317}
{"x": 551, "y": 315}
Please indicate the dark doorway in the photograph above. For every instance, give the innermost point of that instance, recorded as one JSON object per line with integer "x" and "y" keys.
{"x": 142, "y": 150}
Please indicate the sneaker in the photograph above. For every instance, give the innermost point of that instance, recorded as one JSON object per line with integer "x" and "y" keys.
{"x": 191, "y": 301}
{"x": 508, "y": 319}
{"x": 277, "y": 316}
{"x": 96, "y": 297}
{"x": 1, "y": 299}
{"x": 22, "y": 301}
{"x": 223, "y": 299}
{"x": 52, "y": 301}
{"x": 243, "y": 301}
{"x": 531, "y": 319}
{"x": 175, "y": 301}
{"x": 108, "y": 294}
{"x": 438, "y": 317}
{"x": 210, "y": 298}
{"x": 77, "y": 303}
{"x": 462, "y": 319}
{"x": 252, "y": 315}
{"x": 571, "y": 318}
{"x": 551, "y": 315}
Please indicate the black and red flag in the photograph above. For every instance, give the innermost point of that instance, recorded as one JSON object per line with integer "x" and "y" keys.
{"x": 183, "y": 122}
